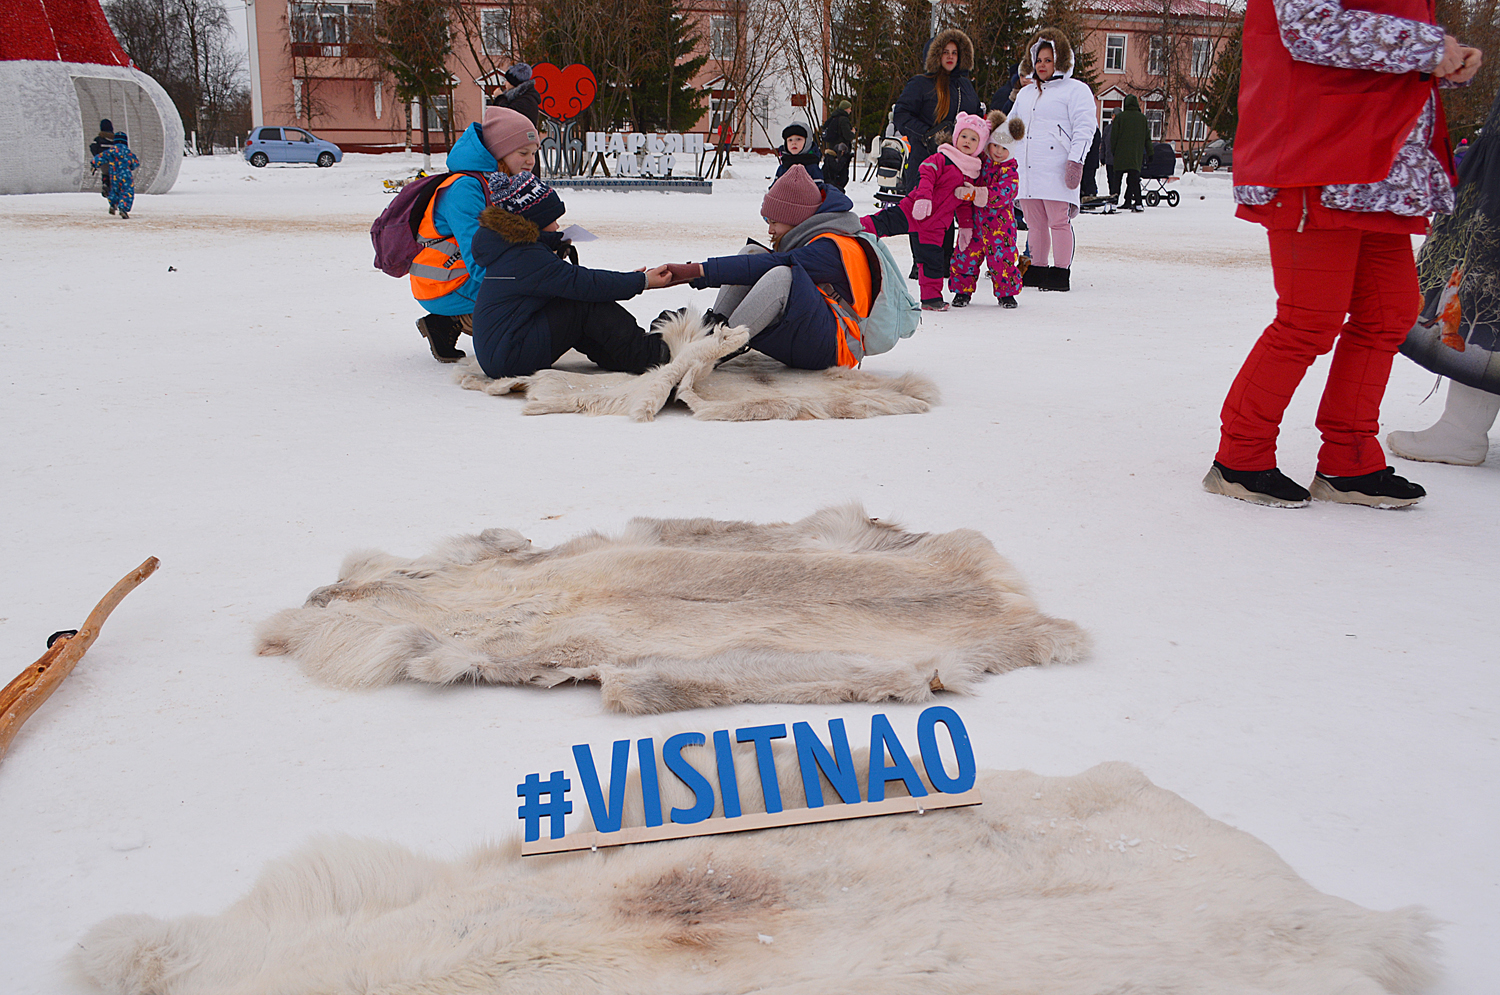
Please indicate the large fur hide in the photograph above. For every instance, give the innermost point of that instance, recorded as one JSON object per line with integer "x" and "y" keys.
{"x": 1098, "y": 884}
{"x": 748, "y": 388}
{"x": 683, "y": 613}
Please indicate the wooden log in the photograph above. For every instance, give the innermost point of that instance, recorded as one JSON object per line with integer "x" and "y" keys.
{"x": 34, "y": 685}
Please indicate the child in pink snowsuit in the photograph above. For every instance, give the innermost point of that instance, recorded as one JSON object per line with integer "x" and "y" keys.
{"x": 987, "y": 225}
{"x": 945, "y": 181}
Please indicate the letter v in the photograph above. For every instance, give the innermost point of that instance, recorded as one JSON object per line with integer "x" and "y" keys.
{"x": 606, "y": 820}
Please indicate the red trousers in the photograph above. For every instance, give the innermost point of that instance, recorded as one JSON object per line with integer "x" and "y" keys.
{"x": 1345, "y": 289}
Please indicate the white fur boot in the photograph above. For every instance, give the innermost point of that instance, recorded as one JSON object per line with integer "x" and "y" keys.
{"x": 1461, "y": 436}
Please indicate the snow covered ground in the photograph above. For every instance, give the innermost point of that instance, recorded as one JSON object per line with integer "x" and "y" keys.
{"x": 223, "y": 381}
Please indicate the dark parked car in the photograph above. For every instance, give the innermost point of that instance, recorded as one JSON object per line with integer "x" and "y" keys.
{"x": 289, "y": 145}
{"x": 1217, "y": 154}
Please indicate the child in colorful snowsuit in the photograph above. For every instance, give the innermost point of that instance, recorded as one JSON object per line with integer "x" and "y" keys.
{"x": 944, "y": 181}
{"x": 987, "y": 225}
{"x": 121, "y": 164}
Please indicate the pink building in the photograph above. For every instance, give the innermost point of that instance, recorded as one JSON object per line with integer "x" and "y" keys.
{"x": 309, "y": 67}
{"x": 1164, "y": 52}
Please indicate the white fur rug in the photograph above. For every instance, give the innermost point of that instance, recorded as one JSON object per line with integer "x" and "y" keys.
{"x": 683, "y": 613}
{"x": 1099, "y": 884}
{"x": 751, "y": 387}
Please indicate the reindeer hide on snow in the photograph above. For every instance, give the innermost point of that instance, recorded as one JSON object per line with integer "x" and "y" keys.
{"x": 683, "y": 613}
{"x": 1098, "y": 884}
{"x": 751, "y": 387}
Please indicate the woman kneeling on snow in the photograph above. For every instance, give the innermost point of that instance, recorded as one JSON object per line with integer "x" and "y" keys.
{"x": 777, "y": 294}
{"x": 534, "y": 306}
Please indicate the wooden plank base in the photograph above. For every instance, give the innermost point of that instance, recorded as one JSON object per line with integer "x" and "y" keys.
{"x": 755, "y": 820}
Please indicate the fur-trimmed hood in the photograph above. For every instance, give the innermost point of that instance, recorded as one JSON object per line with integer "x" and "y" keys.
{"x": 511, "y": 227}
{"x": 1062, "y": 51}
{"x": 1005, "y": 130}
{"x": 935, "y": 51}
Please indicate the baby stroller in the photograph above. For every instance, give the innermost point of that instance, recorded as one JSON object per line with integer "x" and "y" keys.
{"x": 1160, "y": 170}
{"x": 888, "y": 169}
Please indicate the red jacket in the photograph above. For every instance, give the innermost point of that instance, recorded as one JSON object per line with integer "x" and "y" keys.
{"x": 1304, "y": 125}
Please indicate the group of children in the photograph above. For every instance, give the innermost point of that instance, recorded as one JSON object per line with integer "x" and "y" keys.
{"x": 971, "y": 182}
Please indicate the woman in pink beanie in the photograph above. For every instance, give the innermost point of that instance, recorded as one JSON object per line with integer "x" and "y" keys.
{"x": 775, "y": 293}
{"x": 944, "y": 181}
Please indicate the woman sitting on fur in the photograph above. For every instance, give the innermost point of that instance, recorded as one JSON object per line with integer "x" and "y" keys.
{"x": 534, "y": 306}
{"x": 775, "y": 294}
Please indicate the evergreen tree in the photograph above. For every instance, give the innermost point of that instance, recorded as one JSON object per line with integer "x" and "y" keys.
{"x": 999, "y": 29}
{"x": 662, "y": 96}
{"x": 1066, "y": 17}
{"x": 862, "y": 52}
{"x": 1222, "y": 95}
{"x": 412, "y": 45}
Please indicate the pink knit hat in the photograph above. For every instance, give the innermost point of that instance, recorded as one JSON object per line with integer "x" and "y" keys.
{"x": 792, "y": 199}
{"x": 974, "y": 123}
{"x": 505, "y": 130}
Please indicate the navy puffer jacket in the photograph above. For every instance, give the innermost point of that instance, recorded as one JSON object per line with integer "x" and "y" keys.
{"x": 522, "y": 273}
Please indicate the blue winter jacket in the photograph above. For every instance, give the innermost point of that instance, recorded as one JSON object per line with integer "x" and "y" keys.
{"x": 457, "y": 214}
{"x": 522, "y": 275}
{"x": 806, "y": 335}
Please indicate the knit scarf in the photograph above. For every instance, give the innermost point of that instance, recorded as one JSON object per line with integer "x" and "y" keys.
{"x": 967, "y": 164}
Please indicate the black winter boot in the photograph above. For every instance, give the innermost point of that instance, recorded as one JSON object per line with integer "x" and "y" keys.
{"x": 1036, "y": 276}
{"x": 962, "y": 300}
{"x": 1269, "y": 487}
{"x": 441, "y": 332}
{"x": 1057, "y": 278}
{"x": 1381, "y": 489}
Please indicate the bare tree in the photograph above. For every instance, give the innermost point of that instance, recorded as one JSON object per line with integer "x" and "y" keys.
{"x": 747, "y": 61}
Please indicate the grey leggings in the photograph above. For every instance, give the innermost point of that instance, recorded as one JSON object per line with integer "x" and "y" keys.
{"x": 760, "y": 306}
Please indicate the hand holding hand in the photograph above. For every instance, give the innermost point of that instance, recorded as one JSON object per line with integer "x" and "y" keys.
{"x": 962, "y": 239}
{"x": 1073, "y": 175}
{"x": 921, "y": 209}
{"x": 684, "y": 272}
{"x": 657, "y": 278}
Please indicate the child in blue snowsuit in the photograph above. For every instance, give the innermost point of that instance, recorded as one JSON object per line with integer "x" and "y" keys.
{"x": 121, "y": 164}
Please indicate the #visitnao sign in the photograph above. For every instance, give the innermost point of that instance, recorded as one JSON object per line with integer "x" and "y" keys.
{"x": 833, "y": 760}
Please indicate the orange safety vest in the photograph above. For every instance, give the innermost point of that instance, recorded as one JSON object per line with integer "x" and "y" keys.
{"x": 859, "y": 267}
{"x": 438, "y": 268}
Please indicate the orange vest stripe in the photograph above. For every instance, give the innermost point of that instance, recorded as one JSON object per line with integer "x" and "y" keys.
{"x": 438, "y": 268}
{"x": 851, "y": 341}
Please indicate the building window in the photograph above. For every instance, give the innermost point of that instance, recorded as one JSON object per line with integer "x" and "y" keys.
{"x": 721, "y": 38}
{"x": 1197, "y": 127}
{"x": 1156, "y": 57}
{"x": 1114, "y": 53}
{"x": 494, "y": 27}
{"x": 1156, "y": 113}
{"x": 1203, "y": 57}
{"x": 330, "y": 29}
{"x": 437, "y": 112}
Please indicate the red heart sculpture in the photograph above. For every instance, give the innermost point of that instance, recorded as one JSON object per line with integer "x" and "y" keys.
{"x": 564, "y": 92}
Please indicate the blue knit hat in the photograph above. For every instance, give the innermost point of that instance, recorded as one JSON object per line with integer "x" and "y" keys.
{"x": 527, "y": 196}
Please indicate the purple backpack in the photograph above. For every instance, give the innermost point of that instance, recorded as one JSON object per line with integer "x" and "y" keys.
{"x": 394, "y": 233}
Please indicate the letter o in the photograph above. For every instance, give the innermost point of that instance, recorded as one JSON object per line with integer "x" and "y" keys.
{"x": 932, "y": 760}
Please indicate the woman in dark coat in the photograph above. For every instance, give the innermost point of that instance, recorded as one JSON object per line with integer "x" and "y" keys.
{"x": 931, "y": 100}
{"x": 1130, "y": 144}
{"x": 838, "y": 146}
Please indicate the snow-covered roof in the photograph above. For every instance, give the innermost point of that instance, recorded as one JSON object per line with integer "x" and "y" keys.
{"x": 1156, "y": 8}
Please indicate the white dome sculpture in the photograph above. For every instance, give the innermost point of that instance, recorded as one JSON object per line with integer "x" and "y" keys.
{"x": 61, "y": 72}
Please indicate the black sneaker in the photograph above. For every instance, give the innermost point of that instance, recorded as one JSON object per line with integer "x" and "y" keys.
{"x": 934, "y": 304}
{"x": 441, "y": 332}
{"x": 962, "y": 300}
{"x": 1381, "y": 489}
{"x": 1007, "y": 302}
{"x": 1269, "y": 487}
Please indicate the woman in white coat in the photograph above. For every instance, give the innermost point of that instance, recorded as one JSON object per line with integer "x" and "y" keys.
{"x": 1060, "y": 122}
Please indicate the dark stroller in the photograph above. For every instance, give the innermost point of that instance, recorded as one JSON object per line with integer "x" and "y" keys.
{"x": 1159, "y": 170}
{"x": 888, "y": 170}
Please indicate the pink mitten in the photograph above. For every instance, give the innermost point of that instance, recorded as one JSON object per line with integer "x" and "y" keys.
{"x": 981, "y": 196}
{"x": 921, "y": 209}
{"x": 964, "y": 192}
{"x": 961, "y": 241}
{"x": 1074, "y": 175}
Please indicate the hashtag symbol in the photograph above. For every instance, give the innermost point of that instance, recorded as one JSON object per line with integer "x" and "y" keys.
{"x": 533, "y": 809}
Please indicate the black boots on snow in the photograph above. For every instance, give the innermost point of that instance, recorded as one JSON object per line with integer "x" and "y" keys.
{"x": 1381, "y": 489}
{"x": 1046, "y": 277}
{"x": 441, "y": 332}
